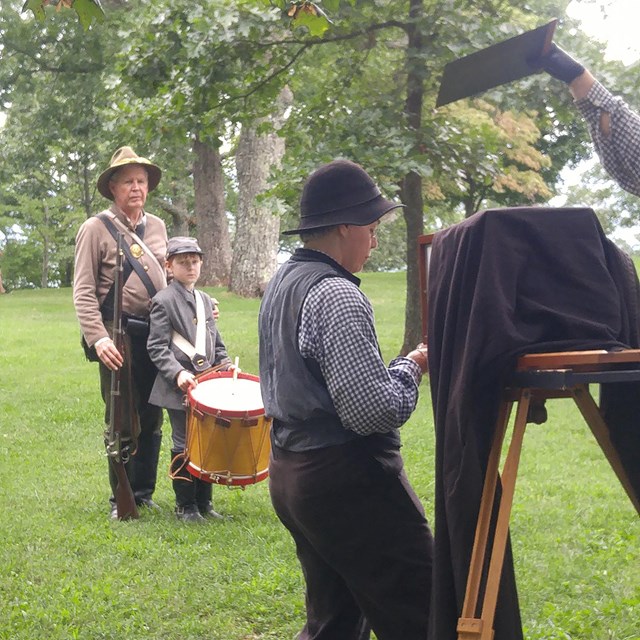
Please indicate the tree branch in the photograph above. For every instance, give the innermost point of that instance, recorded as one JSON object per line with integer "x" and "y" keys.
{"x": 352, "y": 34}
{"x": 42, "y": 66}
{"x": 265, "y": 80}
{"x": 172, "y": 209}
{"x": 338, "y": 38}
{"x": 306, "y": 44}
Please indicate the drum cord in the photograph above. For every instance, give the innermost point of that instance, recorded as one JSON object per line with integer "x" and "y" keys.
{"x": 175, "y": 467}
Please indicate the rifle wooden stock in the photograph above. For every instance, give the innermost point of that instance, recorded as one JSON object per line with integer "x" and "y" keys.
{"x": 119, "y": 454}
{"x": 125, "y": 501}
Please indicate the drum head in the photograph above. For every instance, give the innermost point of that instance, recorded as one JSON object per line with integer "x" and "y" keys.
{"x": 220, "y": 393}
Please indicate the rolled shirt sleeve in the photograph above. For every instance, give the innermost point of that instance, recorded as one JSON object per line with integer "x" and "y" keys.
{"x": 619, "y": 151}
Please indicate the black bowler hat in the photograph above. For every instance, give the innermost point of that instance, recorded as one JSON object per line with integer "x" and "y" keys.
{"x": 340, "y": 192}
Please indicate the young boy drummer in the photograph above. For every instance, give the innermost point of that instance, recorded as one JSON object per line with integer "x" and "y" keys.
{"x": 184, "y": 341}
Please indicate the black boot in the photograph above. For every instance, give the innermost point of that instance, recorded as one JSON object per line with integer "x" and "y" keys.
{"x": 145, "y": 468}
{"x": 203, "y": 499}
{"x": 145, "y": 462}
{"x": 184, "y": 486}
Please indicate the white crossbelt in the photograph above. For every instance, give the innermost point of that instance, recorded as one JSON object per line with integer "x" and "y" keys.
{"x": 200, "y": 347}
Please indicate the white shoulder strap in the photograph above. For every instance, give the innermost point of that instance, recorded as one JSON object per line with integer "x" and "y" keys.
{"x": 183, "y": 344}
{"x": 200, "y": 347}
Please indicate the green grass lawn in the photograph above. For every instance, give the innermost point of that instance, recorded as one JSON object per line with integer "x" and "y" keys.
{"x": 67, "y": 571}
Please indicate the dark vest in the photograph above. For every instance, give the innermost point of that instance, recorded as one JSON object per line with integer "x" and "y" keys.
{"x": 294, "y": 392}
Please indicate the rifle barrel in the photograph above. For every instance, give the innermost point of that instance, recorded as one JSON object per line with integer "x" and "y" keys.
{"x": 119, "y": 454}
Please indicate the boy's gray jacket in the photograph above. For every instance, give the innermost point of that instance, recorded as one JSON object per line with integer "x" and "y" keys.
{"x": 174, "y": 309}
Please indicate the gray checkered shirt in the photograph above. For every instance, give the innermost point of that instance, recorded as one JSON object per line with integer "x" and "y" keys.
{"x": 620, "y": 151}
{"x": 337, "y": 331}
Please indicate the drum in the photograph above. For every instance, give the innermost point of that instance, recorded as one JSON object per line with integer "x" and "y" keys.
{"x": 227, "y": 431}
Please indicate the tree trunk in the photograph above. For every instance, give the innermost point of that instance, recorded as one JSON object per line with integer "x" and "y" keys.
{"x": 44, "y": 280}
{"x": 469, "y": 208}
{"x": 87, "y": 200}
{"x": 411, "y": 195}
{"x": 179, "y": 213}
{"x": 255, "y": 247}
{"x": 411, "y": 192}
{"x": 2, "y": 289}
{"x": 211, "y": 216}
{"x": 44, "y": 277}
{"x": 68, "y": 273}
{"x": 471, "y": 196}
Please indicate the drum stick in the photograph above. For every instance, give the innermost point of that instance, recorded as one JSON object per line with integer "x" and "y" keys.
{"x": 235, "y": 369}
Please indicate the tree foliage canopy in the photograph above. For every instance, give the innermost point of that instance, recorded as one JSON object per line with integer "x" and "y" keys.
{"x": 87, "y": 10}
{"x": 159, "y": 74}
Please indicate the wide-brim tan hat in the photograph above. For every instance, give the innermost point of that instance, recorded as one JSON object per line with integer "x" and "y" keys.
{"x": 123, "y": 157}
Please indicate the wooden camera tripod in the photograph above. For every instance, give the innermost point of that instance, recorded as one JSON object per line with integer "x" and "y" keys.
{"x": 538, "y": 376}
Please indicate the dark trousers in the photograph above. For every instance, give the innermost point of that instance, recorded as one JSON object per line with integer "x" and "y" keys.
{"x": 141, "y": 421}
{"x": 362, "y": 539}
{"x": 178, "y": 420}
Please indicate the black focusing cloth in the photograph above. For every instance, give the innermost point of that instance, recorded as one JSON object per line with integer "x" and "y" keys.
{"x": 503, "y": 283}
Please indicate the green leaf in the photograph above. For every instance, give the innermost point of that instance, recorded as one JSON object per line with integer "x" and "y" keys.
{"x": 36, "y": 6}
{"x": 316, "y": 25}
{"x": 87, "y": 11}
{"x": 332, "y": 5}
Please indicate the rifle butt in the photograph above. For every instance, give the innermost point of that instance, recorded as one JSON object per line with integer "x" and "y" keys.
{"x": 125, "y": 500}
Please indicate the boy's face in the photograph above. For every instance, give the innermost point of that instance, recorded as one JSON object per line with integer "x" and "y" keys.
{"x": 185, "y": 268}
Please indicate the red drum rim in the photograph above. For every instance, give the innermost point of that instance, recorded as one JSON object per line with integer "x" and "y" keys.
{"x": 230, "y": 480}
{"x": 227, "y": 413}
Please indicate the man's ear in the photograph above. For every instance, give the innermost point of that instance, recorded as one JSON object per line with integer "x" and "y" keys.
{"x": 343, "y": 229}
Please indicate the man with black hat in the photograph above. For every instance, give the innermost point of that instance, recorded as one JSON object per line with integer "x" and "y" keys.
{"x": 126, "y": 182}
{"x": 614, "y": 127}
{"x": 336, "y": 474}
{"x": 184, "y": 340}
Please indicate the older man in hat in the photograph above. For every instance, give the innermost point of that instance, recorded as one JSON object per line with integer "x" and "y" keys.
{"x": 126, "y": 182}
{"x": 336, "y": 474}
